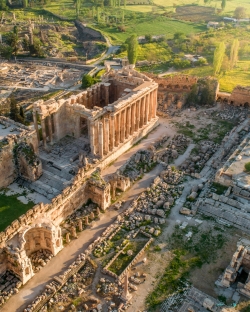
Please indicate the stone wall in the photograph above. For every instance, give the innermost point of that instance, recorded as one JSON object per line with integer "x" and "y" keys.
{"x": 8, "y": 163}
{"x": 239, "y": 97}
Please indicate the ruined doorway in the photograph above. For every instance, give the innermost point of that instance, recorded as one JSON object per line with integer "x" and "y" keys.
{"x": 246, "y": 105}
{"x": 83, "y": 126}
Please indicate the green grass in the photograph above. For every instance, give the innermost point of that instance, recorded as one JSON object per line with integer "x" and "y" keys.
{"x": 10, "y": 209}
{"x": 152, "y": 25}
{"x": 152, "y": 52}
{"x": 201, "y": 248}
{"x": 220, "y": 189}
{"x": 228, "y": 81}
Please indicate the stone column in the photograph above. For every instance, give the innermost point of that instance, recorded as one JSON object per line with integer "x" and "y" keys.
{"x": 117, "y": 129}
{"x": 112, "y": 132}
{"x": 84, "y": 99}
{"x": 154, "y": 103}
{"x": 139, "y": 114}
{"x": 125, "y": 123}
{"x": 136, "y": 116}
{"x": 44, "y": 133}
{"x": 132, "y": 129}
{"x": 106, "y": 86}
{"x": 50, "y": 129}
{"x": 146, "y": 108}
{"x": 106, "y": 133}
{"x": 90, "y": 100}
{"x": 98, "y": 94}
{"x": 92, "y": 137}
{"x": 36, "y": 125}
{"x": 122, "y": 126}
{"x": 128, "y": 122}
{"x": 96, "y": 137}
{"x": 100, "y": 139}
{"x": 94, "y": 96}
{"x": 150, "y": 107}
{"x": 142, "y": 119}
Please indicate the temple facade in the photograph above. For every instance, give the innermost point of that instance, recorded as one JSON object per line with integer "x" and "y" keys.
{"x": 107, "y": 114}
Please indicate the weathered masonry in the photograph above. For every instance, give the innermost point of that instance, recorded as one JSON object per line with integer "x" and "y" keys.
{"x": 108, "y": 114}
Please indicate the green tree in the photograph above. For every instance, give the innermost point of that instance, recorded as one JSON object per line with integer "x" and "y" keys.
{"x": 78, "y": 6}
{"x": 87, "y": 81}
{"x": 193, "y": 96}
{"x": 148, "y": 38}
{"x": 240, "y": 12}
{"x": 36, "y": 47}
{"x": 3, "y": 5}
{"x": 25, "y": 3}
{"x": 125, "y": 2}
{"x": 6, "y": 51}
{"x": 247, "y": 166}
{"x": 223, "y": 4}
{"x": 12, "y": 40}
{"x": 234, "y": 53}
{"x": 14, "y": 112}
{"x": 218, "y": 57}
{"x": 132, "y": 50}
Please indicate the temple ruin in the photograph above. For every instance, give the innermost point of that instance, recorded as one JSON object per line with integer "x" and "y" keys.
{"x": 80, "y": 135}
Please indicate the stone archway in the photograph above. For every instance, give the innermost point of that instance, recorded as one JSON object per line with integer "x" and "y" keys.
{"x": 246, "y": 105}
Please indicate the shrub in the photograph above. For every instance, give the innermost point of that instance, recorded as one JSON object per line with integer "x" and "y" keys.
{"x": 247, "y": 166}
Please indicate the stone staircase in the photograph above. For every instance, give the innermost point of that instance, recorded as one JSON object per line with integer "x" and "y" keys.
{"x": 53, "y": 180}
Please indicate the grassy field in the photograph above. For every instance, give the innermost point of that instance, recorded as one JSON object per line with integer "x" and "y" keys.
{"x": 152, "y": 25}
{"x": 152, "y": 52}
{"x": 10, "y": 209}
{"x": 228, "y": 81}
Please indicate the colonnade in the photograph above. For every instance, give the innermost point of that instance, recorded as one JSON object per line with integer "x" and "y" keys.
{"x": 93, "y": 96}
{"x": 112, "y": 130}
{"x": 47, "y": 119}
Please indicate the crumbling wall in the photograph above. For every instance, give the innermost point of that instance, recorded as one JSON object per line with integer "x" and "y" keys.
{"x": 7, "y": 165}
{"x": 29, "y": 166}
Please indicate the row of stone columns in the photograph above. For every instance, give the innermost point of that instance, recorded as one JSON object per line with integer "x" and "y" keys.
{"x": 114, "y": 130}
{"x": 93, "y": 96}
{"x": 43, "y": 126}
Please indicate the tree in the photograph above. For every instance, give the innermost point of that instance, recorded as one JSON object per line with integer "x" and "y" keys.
{"x": 78, "y": 6}
{"x": 247, "y": 166}
{"x": 132, "y": 50}
{"x": 223, "y": 4}
{"x": 14, "y": 112}
{"x": 218, "y": 57}
{"x": 193, "y": 96}
{"x": 25, "y": 3}
{"x": 6, "y": 51}
{"x": 12, "y": 40}
{"x": 234, "y": 53}
{"x": 87, "y": 81}
{"x": 148, "y": 38}
{"x": 240, "y": 12}
{"x": 36, "y": 47}
{"x": 3, "y": 5}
